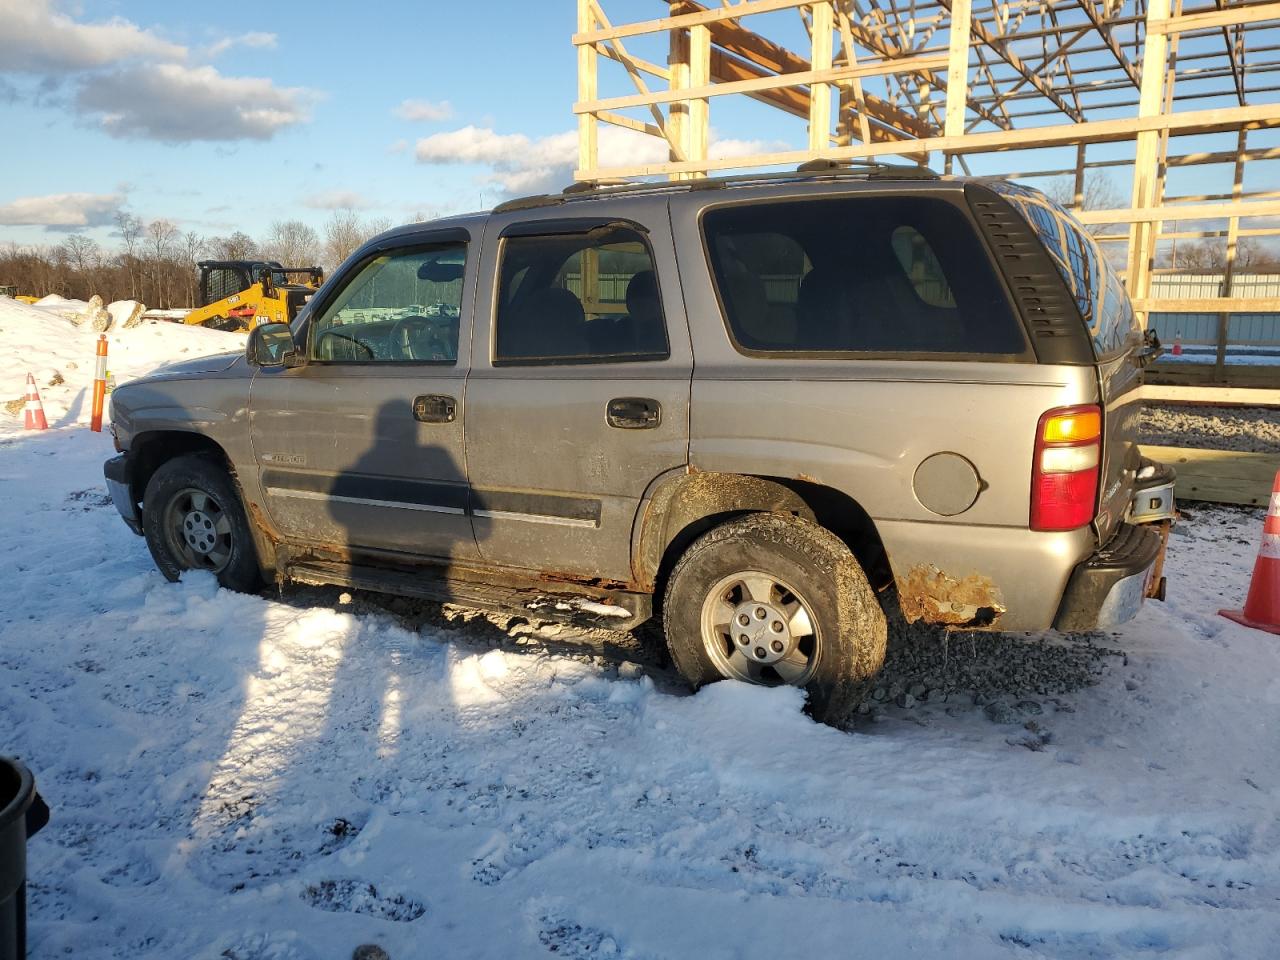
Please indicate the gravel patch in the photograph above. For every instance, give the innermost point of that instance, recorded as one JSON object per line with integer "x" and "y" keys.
{"x": 1246, "y": 429}
{"x": 1007, "y": 674}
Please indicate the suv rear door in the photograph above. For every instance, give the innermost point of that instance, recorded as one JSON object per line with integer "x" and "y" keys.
{"x": 578, "y": 397}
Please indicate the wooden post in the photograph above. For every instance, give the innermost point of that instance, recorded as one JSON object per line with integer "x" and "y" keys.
{"x": 588, "y": 59}
{"x": 1080, "y": 168}
{"x": 820, "y": 93}
{"x": 1145, "y": 167}
{"x": 698, "y": 133}
{"x": 1229, "y": 269}
{"x": 958, "y": 68}
{"x": 678, "y": 110}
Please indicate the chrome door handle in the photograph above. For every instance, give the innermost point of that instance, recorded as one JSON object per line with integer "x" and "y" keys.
{"x": 435, "y": 408}
{"x": 633, "y": 413}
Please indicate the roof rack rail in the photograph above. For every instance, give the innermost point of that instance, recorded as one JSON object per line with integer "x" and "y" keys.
{"x": 528, "y": 203}
{"x": 821, "y": 168}
{"x": 867, "y": 168}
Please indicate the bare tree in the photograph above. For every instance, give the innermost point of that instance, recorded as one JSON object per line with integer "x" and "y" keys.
{"x": 1210, "y": 256}
{"x": 161, "y": 235}
{"x": 130, "y": 229}
{"x": 342, "y": 234}
{"x": 192, "y": 247}
{"x": 345, "y": 231}
{"x": 238, "y": 246}
{"x": 292, "y": 243}
{"x": 83, "y": 256}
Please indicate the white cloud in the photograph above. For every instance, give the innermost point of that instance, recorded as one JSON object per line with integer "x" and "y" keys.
{"x": 255, "y": 39}
{"x": 61, "y": 211}
{"x": 424, "y": 110}
{"x": 336, "y": 200}
{"x": 521, "y": 164}
{"x": 178, "y": 104}
{"x": 35, "y": 38}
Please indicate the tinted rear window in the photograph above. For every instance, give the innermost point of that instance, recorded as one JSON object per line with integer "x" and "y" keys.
{"x": 1094, "y": 285}
{"x": 858, "y": 275}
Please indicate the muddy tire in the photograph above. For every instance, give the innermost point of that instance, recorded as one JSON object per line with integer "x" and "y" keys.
{"x": 193, "y": 519}
{"x": 776, "y": 600}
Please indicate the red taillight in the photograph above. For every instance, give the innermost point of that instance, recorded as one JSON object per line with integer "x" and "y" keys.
{"x": 1064, "y": 473}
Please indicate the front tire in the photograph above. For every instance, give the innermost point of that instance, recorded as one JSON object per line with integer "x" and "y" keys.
{"x": 776, "y": 600}
{"x": 193, "y": 519}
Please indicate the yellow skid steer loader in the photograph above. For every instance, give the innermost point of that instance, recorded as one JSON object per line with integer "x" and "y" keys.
{"x": 240, "y": 294}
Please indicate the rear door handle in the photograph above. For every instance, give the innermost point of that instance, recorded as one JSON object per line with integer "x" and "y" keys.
{"x": 634, "y": 413}
{"x": 435, "y": 408}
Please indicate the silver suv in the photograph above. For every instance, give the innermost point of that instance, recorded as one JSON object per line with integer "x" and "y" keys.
{"x": 770, "y": 409}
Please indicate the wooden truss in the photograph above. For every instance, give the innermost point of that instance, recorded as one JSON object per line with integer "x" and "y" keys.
{"x": 974, "y": 83}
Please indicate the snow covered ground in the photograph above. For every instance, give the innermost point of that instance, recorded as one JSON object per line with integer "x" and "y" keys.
{"x": 285, "y": 778}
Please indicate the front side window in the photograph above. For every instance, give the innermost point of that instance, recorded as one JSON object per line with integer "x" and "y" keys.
{"x": 579, "y": 298}
{"x": 858, "y": 275}
{"x": 400, "y": 306}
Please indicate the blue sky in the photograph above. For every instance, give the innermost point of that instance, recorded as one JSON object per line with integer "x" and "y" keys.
{"x": 231, "y": 117}
{"x": 352, "y": 70}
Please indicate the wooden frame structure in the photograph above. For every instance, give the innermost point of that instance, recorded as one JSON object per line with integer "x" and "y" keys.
{"x": 1150, "y": 87}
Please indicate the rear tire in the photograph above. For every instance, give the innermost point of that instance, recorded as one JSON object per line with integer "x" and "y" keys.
{"x": 776, "y": 600}
{"x": 193, "y": 519}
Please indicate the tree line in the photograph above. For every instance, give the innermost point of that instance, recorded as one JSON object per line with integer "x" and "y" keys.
{"x": 155, "y": 262}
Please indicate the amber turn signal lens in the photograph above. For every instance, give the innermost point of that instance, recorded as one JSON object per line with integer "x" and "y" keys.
{"x": 1075, "y": 427}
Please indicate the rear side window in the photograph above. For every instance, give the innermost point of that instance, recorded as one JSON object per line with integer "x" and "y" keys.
{"x": 858, "y": 275}
{"x": 579, "y": 298}
{"x": 1094, "y": 285}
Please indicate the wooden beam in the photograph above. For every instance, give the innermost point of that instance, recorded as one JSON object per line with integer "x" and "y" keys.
{"x": 1189, "y": 211}
{"x": 1235, "y": 14}
{"x": 678, "y": 112}
{"x": 1095, "y": 131}
{"x": 820, "y": 60}
{"x": 1208, "y": 305}
{"x": 1219, "y": 476}
{"x": 807, "y": 78}
{"x": 588, "y": 58}
{"x": 730, "y": 11}
{"x": 1145, "y": 173}
{"x": 766, "y": 57}
{"x": 699, "y": 132}
{"x": 957, "y": 66}
{"x": 1227, "y": 396}
{"x": 616, "y": 50}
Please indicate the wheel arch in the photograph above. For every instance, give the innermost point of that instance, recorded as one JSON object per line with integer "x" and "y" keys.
{"x": 682, "y": 506}
{"x": 150, "y": 450}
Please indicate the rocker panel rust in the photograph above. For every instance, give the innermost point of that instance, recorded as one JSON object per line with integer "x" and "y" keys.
{"x": 927, "y": 593}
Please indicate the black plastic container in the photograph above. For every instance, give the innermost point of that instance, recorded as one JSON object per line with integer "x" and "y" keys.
{"x": 22, "y": 813}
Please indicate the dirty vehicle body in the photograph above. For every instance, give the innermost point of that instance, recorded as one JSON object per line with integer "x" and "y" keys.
{"x": 240, "y": 294}
{"x": 770, "y": 408}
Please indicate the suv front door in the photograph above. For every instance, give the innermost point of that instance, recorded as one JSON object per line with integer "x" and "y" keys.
{"x": 578, "y": 396}
{"x": 362, "y": 447}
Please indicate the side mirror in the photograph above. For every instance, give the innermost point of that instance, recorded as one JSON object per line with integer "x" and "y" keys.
{"x": 271, "y": 345}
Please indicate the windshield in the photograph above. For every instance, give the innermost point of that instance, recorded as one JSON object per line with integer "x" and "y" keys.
{"x": 1094, "y": 284}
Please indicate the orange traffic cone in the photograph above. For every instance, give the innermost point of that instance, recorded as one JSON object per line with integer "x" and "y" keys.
{"x": 1262, "y": 607}
{"x": 34, "y": 414}
{"x": 1177, "y": 344}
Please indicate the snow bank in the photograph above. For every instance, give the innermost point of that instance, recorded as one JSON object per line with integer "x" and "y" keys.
{"x": 34, "y": 337}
